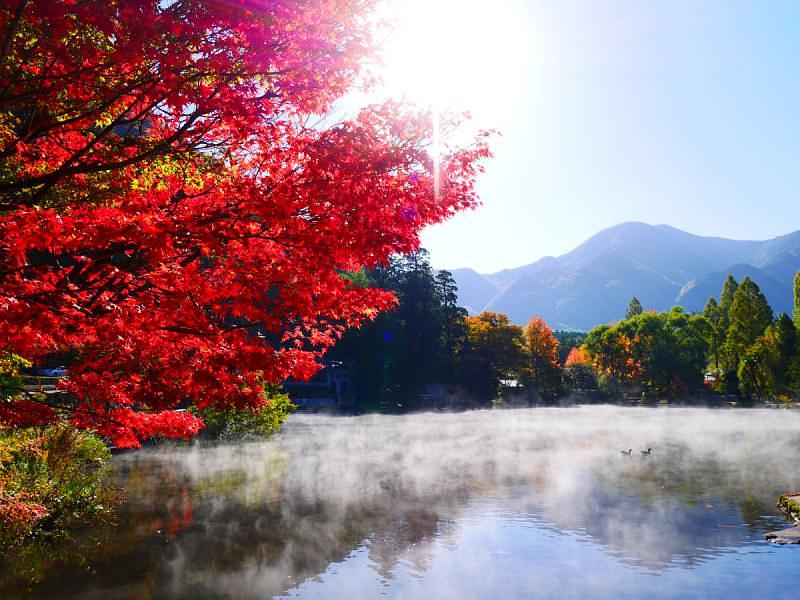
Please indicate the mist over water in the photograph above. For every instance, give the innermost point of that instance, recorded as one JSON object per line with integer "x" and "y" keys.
{"x": 515, "y": 503}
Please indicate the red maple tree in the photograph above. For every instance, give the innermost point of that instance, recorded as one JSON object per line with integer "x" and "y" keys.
{"x": 175, "y": 213}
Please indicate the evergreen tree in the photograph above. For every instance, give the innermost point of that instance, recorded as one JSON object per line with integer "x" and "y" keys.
{"x": 634, "y": 308}
{"x": 725, "y": 301}
{"x": 401, "y": 351}
{"x": 418, "y": 310}
{"x": 786, "y": 343}
{"x": 728, "y": 364}
{"x": 712, "y": 314}
{"x": 749, "y": 317}
{"x": 452, "y": 318}
{"x": 797, "y": 300}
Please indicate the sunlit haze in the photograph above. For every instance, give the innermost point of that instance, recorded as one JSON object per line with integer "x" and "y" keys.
{"x": 458, "y": 55}
{"x": 682, "y": 113}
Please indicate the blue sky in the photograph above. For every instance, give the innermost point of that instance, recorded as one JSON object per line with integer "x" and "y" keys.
{"x": 677, "y": 112}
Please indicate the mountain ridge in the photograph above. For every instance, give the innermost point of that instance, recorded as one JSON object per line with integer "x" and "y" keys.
{"x": 660, "y": 264}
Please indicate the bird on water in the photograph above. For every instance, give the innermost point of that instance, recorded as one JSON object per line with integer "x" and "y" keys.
{"x": 626, "y": 452}
{"x": 646, "y": 452}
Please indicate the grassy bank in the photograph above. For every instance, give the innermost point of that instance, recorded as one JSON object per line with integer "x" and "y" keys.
{"x": 790, "y": 504}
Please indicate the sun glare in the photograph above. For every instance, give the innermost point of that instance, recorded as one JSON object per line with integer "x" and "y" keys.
{"x": 457, "y": 55}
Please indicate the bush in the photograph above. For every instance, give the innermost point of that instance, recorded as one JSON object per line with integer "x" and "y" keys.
{"x": 11, "y": 382}
{"x": 244, "y": 423}
{"x": 50, "y": 479}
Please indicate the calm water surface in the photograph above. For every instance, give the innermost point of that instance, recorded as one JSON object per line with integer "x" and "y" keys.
{"x": 495, "y": 504}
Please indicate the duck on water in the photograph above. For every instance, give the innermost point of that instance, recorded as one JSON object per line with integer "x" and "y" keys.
{"x": 629, "y": 452}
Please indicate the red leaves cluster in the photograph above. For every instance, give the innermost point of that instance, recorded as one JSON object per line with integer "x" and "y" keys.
{"x": 170, "y": 215}
{"x": 18, "y": 515}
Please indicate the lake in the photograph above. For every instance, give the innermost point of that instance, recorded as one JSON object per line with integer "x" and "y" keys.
{"x": 487, "y": 504}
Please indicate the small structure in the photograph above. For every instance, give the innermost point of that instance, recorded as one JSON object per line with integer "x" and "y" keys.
{"x": 333, "y": 387}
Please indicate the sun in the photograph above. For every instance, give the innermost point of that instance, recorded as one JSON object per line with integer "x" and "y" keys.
{"x": 457, "y": 55}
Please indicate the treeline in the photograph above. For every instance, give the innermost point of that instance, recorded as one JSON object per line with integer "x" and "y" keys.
{"x": 752, "y": 353}
{"x": 430, "y": 341}
{"x": 735, "y": 347}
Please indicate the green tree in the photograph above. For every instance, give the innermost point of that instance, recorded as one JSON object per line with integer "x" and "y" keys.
{"x": 786, "y": 344}
{"x": 609, "y": 349}
{"x": 453, "y": 321}
{"x": 692, "y": 338}
{"x": 749, "y": 317}
{"x": 663, "y": 352}
{"x": 419, "y": 311}
{"x": 725, "y": 302}
{"x": 669, "y": 350}
{"x": 711, "y": 312}
{"x": 797, "y": 300}
{"x": 634, "y": 308}
{"x": 759, "y": 366}
{"x": 403, "y": 350}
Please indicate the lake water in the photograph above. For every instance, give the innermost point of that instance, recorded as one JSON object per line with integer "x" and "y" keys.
{"x": 489, "y": 504}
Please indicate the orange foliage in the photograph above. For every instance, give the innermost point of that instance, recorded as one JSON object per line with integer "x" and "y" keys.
{"x": 577, "y": 356}
{"x": 541, "y": 342}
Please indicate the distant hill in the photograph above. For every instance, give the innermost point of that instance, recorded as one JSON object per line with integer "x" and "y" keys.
{"x": 661, "y": 265}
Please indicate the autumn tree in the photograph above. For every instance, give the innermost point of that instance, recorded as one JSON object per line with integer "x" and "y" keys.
{"x": 567, "y": 341}
{"x": 542, "y": 371}
{"x": 634, "y": 308}
{"x": 174, "y": 213}
{"x": 493, "y": 351}
{"x": 579, "y": 373}
{"x": 577, "y": 356}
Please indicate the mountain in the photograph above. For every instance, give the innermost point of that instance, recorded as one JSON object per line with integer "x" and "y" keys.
{"x": 661, "y": 265}
{"x": 696, "y": 293}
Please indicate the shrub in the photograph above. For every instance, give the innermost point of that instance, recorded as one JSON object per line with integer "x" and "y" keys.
{"x": 241, "y": 423}
{"x": 50, "y": 479}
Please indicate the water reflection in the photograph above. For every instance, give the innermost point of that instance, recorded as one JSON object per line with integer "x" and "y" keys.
{"x": 389, "y": 501}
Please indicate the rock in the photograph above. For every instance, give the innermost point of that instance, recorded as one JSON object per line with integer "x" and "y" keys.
{"x": 785, "y": 536}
